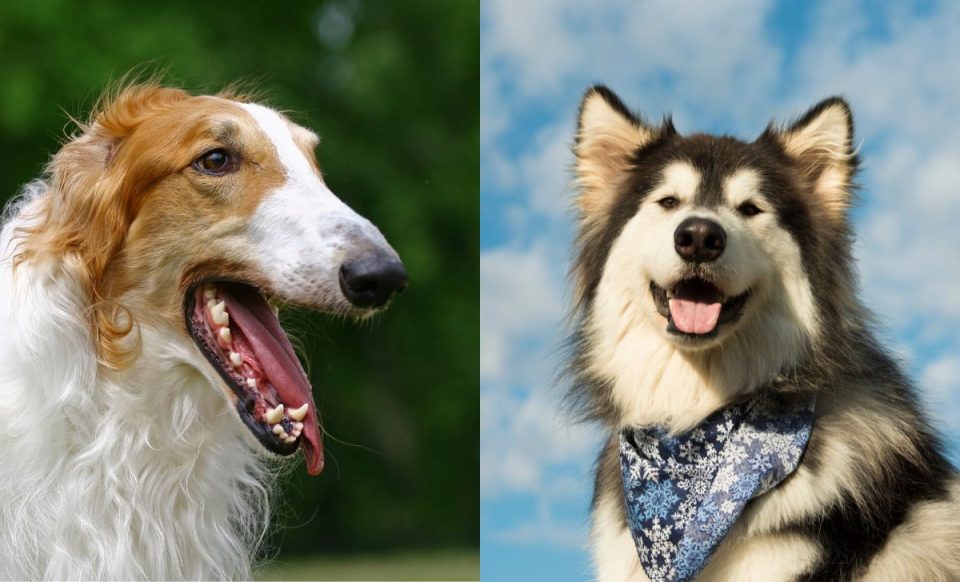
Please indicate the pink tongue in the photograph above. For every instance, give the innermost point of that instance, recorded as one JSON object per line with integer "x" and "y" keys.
{"x": 251, "y": 314}
{"x": 692, "y": 317}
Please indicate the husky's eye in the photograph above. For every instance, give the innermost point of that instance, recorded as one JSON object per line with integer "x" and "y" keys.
{"x": 215, "y": 162}
{"x": 668, "y": 202}
{"x": 748, "y": 209}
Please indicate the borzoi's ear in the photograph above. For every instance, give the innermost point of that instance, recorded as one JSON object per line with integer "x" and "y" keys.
{"x": 94, "y": 198}
{"x": 821, "y": 142}
{"x": 608, "y": 135}
{"x": 98, "y": 197}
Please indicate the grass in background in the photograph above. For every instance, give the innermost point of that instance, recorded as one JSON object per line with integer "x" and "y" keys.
{"x": 438, "y": 565}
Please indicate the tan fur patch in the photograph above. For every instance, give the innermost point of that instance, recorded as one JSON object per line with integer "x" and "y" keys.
{"x": 605, "y": 141}
{"x": 143, "y": 222}
{"x": 760, "y": 559}
{"x": 822, "y": 148}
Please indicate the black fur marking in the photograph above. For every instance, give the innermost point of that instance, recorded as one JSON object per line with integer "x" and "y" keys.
{"x": 613, "y": 101}
{"x": 833, "y": 244}
{"x": 648, "y": 162}
{"x": 816, "y": 110}
{"x": 850, "y": 536}
{"x": 588, "y": 396}
{"x": 609, "y": 481}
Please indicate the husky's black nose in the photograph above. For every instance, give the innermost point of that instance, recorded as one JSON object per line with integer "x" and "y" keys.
{"x": 699, "y": 240}
{"x": 372, "y": 279}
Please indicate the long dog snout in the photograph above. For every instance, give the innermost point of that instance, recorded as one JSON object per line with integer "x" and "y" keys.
{"x": 313, "y": 248}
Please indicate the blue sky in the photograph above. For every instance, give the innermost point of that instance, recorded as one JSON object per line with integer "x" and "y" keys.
{"x": 727, "y": 67}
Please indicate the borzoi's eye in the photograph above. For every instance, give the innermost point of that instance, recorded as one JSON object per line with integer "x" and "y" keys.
{"x": 668, "y": 202}
{"x": 748, "y": 209}
{"x": 215, "y": 162}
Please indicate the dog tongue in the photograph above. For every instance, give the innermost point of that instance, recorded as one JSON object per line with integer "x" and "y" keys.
{"x": 694, "y": 317}
{"x": 252, "y": 315}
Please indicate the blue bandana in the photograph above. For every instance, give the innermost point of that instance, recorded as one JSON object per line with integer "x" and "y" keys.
{"x": 683, "y": 493}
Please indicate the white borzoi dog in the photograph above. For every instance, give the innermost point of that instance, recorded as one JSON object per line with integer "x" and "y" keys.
{"x": 757, "y": 429}
{"x": 143, "y": 371}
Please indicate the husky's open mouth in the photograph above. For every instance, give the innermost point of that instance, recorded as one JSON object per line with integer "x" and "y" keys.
{"x": 695, "y": 307}
{"x": 239, "y": 333}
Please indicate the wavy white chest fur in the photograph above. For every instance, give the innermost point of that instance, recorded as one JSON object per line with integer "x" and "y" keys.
{"x": 143, "y": 474}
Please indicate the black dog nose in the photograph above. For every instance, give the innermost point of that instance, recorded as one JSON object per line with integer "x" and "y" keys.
{"x": 372, "y": 279}
{"x": 699, "y": 240}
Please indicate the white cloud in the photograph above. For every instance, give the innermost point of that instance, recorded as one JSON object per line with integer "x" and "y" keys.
{"x": 528, "y": 42}
{"x": 908, "y": 119}
{"x": 941, "y": 378}
{"x": 524, "y": 434}
{"x": 546, "y": 170}
{"x": 711, "y": 58}
{"x": 898, "y": 81}
{"x": 521, "y": 333}
{"x": 520, "y": 298}
{"x": 553, "y": 533}
{"x": 500, "y": 171}
{"x": 524, "y": 437}
{"x": 940, "y": 388}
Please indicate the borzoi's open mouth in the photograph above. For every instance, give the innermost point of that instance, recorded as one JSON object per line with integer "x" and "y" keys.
{"x": 239, "y": 333}
{"x": 696, "y": 308}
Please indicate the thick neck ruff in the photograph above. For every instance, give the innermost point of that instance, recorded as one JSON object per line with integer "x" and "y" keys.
{"x": 684, "y": 492}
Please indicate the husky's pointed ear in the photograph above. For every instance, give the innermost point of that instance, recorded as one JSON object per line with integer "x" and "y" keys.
{"x": 821, "y": 142}
{"x": 608, "y": 135}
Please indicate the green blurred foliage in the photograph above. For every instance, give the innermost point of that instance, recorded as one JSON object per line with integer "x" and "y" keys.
{"x": 417, "y": 565}
{"x": 393, "y": 90}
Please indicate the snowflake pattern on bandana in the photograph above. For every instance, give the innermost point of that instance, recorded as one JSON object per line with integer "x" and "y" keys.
{"x": 684, "y": 492}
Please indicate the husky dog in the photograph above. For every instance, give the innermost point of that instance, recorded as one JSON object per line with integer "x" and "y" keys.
{"x": 709, "y": 270}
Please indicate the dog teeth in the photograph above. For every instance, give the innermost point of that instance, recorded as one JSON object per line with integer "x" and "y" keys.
{"x": 299, "y": 413}
{"x": 290, "y": 440}
{"x": 225, "y": 335}
{"x": 297, "y": 426}
{"x": 252, "y": 382}
{"x": 219, "y": 314}
{"x": 296, "y": 432}
{"x": 236, "y": 359}
{"x": 209, "y": 291}
{"x": 275, "y": 415}
{"x": 277, "y": 429}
